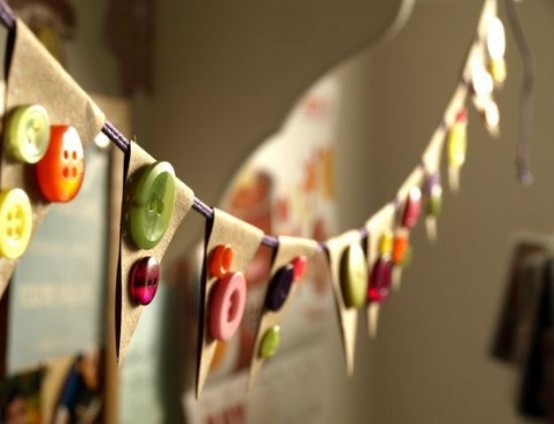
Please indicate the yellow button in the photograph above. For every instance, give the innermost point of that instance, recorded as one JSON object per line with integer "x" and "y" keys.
{"x": 385, "y": 243}
{"x": 16, "y": 222}
{"x": 457, "y": 140}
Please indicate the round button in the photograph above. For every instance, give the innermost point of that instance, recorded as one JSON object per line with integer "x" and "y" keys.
{"x": 279, "y": 288}
{"x": 353, "y": 276}
{"x": 400, "y": 248}
{"x": 227, "y": 306}
{"x": 152, "y": 204}
{"x": 144, "y": 279}
{"x": 385, "y": 243}
{"x": 434, "y": 196}
{"x": 457, "y": 140}
{"x": 380, "y": 281}
{"x": 61, "y": 171}
{"x": 270, "y": 342}
{"x": 482, "y": 82}
{"x": 497, "y": 69}
{"x": 300, "y": 266}
{"x": 412, "y": 208}
{"x": 16, "y": 222}
{"x": 496, "y": 38}
{"x": 221, "y": 260}
{"x": 28, "y": 133}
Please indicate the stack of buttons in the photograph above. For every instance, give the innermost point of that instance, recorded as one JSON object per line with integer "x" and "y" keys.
{"x": 277, "y": 294}
{"x": 149, "y": 211}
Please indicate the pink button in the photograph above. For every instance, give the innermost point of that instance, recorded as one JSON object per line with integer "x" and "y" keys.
{"x": 412, "y": 208}
{"x": 227, "y": 306}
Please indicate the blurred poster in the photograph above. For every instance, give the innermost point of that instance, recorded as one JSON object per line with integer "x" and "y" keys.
{"x": 20, "y": 399}
{"x": 286, "y": 187}
{"x": 141, "y": 372}
{"x": 58, "y": 290}
{"x": 287, "y": 391}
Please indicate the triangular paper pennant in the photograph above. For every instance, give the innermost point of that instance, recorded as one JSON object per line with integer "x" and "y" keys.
{"x": 128, "y": 310}
{"x": 233, "y": 244}
{"x": 35, "y": 77}
{"x": 292, "y": 252}
{"x": 348, "y": 316}
{"x": 384, "y": 220}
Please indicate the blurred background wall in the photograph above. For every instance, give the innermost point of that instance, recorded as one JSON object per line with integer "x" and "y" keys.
{"x": 431, "y": 361}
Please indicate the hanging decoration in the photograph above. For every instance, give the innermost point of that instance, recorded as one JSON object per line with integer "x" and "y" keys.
{"x": 230, "y": 246}
{"x": 293, "y": 257}
{"x": 50, "y": 118}
{"x": 154, "y": 204}
{"x": 48, "y": 115}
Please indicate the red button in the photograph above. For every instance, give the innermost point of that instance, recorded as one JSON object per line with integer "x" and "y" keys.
{"x": 60, "y": 172}
{"x": 300, "y": 266}
{"x": 380, "y": 281}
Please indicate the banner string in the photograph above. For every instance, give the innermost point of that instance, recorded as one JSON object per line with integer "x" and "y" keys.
{"x": 111, "y": 131}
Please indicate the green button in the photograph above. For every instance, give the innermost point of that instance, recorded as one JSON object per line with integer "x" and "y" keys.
{"x": 28, "y": 133}
{"x": 270, "y": 342}
{"x": 151, "y": 204}
{"x": 353, "y": 276}
{"x": 434, "y": 202}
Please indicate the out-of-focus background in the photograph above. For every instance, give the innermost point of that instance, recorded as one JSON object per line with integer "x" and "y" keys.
{"x": 206, "y": 84}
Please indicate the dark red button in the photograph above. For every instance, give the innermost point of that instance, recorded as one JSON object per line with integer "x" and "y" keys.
{"x": 144, "y": 279}
{"x": 279, "y": 288}
{"x": 412, "y": 209}
{"x": 380, "y": 280}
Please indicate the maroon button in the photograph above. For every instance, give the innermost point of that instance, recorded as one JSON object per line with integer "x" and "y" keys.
{"x": 143, "y": 280}
{"x": 412, "y": 208}
{"x": 279, "y": 288}
{"x": 380, "y": 280}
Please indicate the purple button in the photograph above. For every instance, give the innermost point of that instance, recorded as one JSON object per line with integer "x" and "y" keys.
{"x": 143, "y": 280}
{"x": 380, "y": 280}
{"x": 279, "y": 288}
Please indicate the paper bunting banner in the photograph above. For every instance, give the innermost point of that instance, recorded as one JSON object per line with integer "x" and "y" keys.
{"x": 155, "y": 202}
{"x": 290, "y": 265}
{"x": 230, "y": 246}
{"x": 35, "y": 78}
{"x": 348, "y": 269}
{"x": 49, "y": 119}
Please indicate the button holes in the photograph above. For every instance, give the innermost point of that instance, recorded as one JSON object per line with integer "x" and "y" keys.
{"x": 65, "y": 172}
{"x": 65, "y": 154}
{"x": 74, "y": 172}
{"x": 9, "y": 230}
{"x": 19, "y": 214}
{"x": 10, "y": 216}
{"x": 233, "y": 303}
{"x": 74, "y": 155}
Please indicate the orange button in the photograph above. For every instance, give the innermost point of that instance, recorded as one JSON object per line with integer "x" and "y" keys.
{"x": 60, "y": 172}
{"x": 221, "y": 260}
